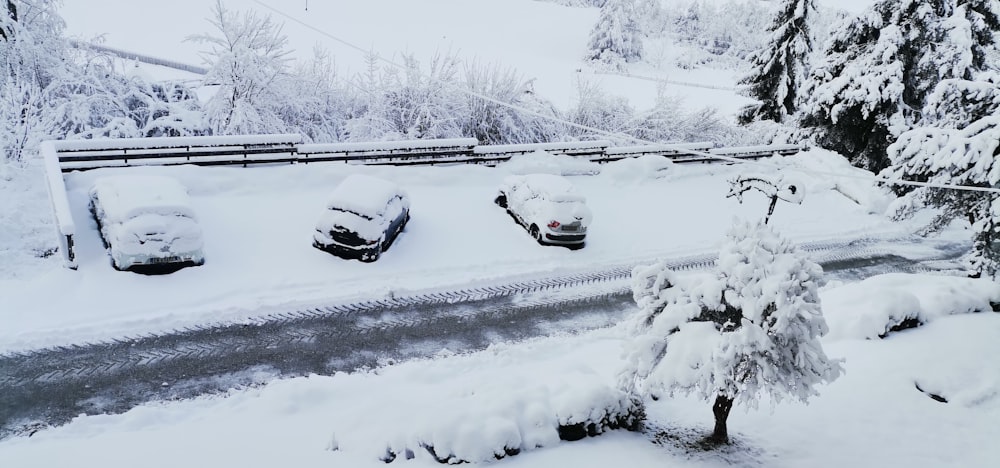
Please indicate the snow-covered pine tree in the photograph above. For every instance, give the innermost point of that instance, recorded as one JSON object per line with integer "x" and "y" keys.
{"x": 780, "y": 67}
{"x": 961, "y": 148}
{"x": 751, "y": 330}
{"x": 617, "y": 37}
{"x": 247, "y": 59}
{"x": 877, "y": 71}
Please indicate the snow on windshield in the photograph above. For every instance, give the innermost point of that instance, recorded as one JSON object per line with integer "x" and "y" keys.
{"x": 126, "y": 197}
{"x": 364, "y": 195}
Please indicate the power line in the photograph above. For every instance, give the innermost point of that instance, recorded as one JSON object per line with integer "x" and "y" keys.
{"x": 606, "y": 133}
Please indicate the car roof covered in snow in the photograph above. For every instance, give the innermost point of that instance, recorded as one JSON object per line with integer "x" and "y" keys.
{"x": 549, "y": 186}
{"x": 364, "y": 194}
{"x": 125, "y": 197}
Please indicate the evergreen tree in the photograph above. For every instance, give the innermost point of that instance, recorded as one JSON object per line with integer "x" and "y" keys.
{"x": 962, "y": 147}
{"x": 753, "y": 329}
{"x": 617, "y": 37}
{"x": 878, "y": 70}
{"x": 780, "y": 67}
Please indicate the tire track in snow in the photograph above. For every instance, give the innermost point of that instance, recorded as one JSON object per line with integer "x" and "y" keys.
{"x": 53, "y": 385}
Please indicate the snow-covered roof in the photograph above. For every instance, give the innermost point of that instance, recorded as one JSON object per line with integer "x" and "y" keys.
{"x": 364, "y": 194}
{"x": 126, "y": 197}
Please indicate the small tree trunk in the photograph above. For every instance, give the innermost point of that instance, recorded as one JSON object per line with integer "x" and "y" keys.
{"x": 721, "y": 409}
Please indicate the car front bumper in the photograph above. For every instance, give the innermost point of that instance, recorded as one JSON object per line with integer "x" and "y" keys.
{"x": 564, "y": 238}
{"x": 363, "y": 252}
{"x": 126, "y": 261}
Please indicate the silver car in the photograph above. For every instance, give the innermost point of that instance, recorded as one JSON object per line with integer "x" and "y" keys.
{"x": 548, "y": 207}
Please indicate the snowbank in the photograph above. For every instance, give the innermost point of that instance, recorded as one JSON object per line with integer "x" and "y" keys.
{"x": 814, "y": 167}
{"x": 631, "y": 170}
{"x": 547, "y": 163}
{"x": 869, "y": 309}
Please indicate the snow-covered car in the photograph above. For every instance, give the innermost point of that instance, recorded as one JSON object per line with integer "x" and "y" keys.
{"x": 146, "y": 221}
{"x": 364, "y": 216}
{"x": 548, "y": 207}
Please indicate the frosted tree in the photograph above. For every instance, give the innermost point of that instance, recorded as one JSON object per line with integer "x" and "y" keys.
{"x": 617, "y": 37}
{"x": 492, "y": 123}
{"x": 962, "y": 147}
{"x": 248, "y": 59}
{"x": 33, "y": 55}
{"x": 780, "y": 67}
{"x": 752, "y": 329}
{"x": 877, "y": 71}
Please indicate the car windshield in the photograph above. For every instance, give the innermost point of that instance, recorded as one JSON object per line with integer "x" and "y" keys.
{"x": 355, "y": 213}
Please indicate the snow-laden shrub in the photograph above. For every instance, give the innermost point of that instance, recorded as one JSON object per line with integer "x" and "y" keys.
{"x": 751, "y": 329}
{"x": 876, "y": 306}
{"x": 487, "y": 426}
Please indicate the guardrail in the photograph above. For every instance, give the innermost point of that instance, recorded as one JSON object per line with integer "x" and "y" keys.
{"x": 246, "y": 150}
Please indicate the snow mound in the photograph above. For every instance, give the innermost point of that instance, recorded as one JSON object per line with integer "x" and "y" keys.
{"x": 874, "y": 307}
{"x": 809, "y": 167}
{"x": 127, "y": 197}
{"x": 495, "y": 421}
{"x": 547, "y": 163}
{"x": 631, "y": 170}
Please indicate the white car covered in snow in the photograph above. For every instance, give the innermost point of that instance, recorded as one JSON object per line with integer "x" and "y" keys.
{"x": 364, "y": 216}
{"x": 146, "y": 221}
{"x": 548, "y": 207}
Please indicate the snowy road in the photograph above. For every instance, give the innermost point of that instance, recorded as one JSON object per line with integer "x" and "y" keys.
{"x": 52, "y": 386}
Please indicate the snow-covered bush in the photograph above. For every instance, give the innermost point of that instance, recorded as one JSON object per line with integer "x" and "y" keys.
{"x": 752, "y": 329}
{"x": 486, "y": 423}
{"x": 881, "y": 304}
{"x": 492, "y": 123}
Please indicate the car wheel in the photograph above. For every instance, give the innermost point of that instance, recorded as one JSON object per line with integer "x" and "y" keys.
{"x": 576, "y": 246}
{"x": 501, "y": 200}
{"x": 537, "y": 234}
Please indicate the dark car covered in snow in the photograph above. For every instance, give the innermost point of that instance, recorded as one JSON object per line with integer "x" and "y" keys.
{"x": 363, "y": 217}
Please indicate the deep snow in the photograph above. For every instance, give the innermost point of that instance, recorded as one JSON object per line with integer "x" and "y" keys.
{"x": 258, "y": 222}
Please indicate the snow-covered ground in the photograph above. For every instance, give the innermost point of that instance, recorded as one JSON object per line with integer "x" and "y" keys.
{"x": 258, "y": 224}
{"x": 872, "y": 416}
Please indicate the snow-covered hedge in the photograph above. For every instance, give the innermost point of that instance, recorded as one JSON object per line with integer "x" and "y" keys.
{"x": 491, "y": 424}
{"x": 881, "y": 304}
